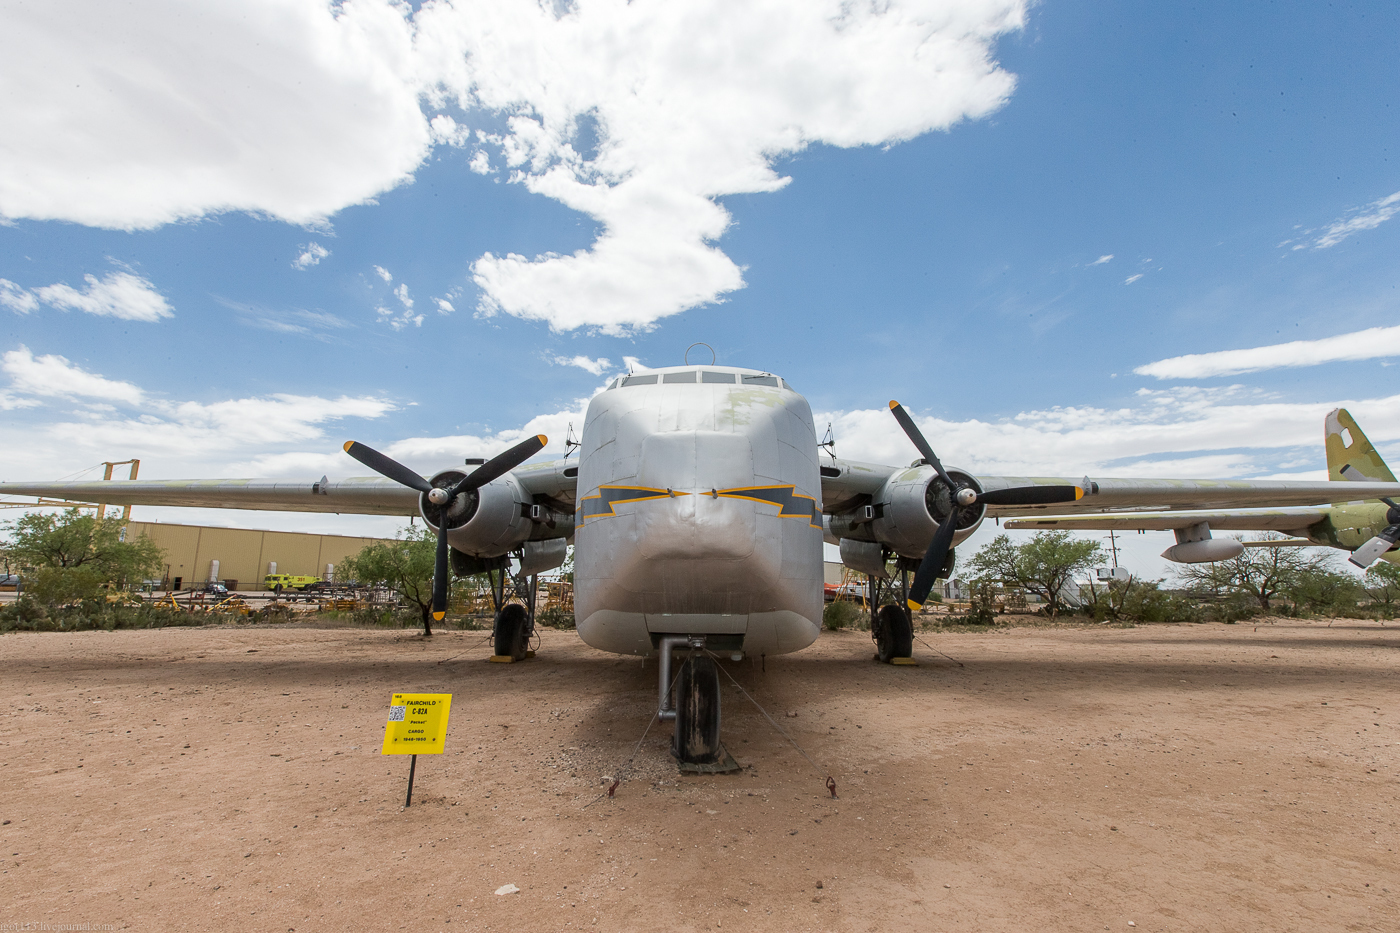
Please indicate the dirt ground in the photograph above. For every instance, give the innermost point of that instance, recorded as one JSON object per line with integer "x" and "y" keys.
{"x": 1198, "y": 777}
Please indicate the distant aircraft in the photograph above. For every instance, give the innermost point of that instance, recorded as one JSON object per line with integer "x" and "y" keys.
{"x": 1369, "y": 529}
{"x": 698, "y": 506}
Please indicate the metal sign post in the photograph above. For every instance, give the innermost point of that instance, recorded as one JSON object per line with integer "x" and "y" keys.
{"x": 417, "y": 726}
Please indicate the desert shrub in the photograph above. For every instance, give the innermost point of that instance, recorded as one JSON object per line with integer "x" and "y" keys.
{"x": 27, "y": 614}
{"x": 842, "y": 614}
{"x": 1326, "y": 592}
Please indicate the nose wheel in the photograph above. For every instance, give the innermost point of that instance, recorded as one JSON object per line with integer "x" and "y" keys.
{"x": 696, "y": 739}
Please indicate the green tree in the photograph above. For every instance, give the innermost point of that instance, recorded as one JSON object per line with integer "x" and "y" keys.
{"x": 1382, "y": 582}
{"x": 1321, "y": 589}
{"x": 1260, "y": 573}
{"x": 404, "y": 565}
{"x": 1044, "y": 565}
{"x": 70, "y": 556}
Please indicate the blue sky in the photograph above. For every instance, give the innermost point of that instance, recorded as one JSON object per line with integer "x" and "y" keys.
{"x": 913, "y": 203}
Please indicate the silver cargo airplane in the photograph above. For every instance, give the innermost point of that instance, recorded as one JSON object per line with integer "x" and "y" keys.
{"x": 698, "y": 507}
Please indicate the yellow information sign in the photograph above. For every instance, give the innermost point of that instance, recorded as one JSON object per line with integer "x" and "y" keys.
{"x": 417, "y": 724}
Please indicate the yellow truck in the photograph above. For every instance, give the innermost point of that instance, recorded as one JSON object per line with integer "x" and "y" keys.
{"x": 277, "y": 582}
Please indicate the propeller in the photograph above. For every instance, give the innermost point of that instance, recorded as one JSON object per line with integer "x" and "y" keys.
{"x": 1366, "y": 555}
{"x": 497, "y": 466}
{"x": 964, "y": 496}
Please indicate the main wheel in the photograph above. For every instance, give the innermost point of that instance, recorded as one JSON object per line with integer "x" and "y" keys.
{"x": 894, "y": 634}
{"x": 511, "y": 633}
{"x": 697, "y": 712}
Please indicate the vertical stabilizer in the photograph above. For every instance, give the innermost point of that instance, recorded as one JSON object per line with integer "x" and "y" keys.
{"x": 1350, "y": 456}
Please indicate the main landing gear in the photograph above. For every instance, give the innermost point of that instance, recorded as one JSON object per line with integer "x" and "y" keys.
{"x": 697, "y": 704}
{"x": 514, "y": 624}
{"x": 892, "y": 625}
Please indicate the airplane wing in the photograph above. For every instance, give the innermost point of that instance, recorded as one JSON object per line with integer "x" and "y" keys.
{"x": 847, "y": 484}
{"x": 361, "y": 495}
{"x": 1291, "y": 521}
{"x": 367, "y": 495}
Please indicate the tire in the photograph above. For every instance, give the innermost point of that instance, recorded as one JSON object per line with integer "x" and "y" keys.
{"x": 894, "y": 634}
{"x": 511, "y": 632}
{"x": 697, "y": 712}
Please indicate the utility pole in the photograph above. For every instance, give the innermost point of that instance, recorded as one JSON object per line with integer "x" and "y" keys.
{"x": 1113, "y": 548}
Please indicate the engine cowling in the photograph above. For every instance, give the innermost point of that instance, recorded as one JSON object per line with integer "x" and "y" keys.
{"x": 907, "y": 511}
{"x": 485, "y": 522}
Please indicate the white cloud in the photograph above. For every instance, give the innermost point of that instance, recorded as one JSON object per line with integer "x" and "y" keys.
{"x": 311, "y": 254}
{"x": 596, "y": 367}
{"x": 55, "y": 376}
{"x": 1365, "y": 218}
{"x": 679, "y": 123}
{"x": 481, "y": 163}
{"x": 1367, "y": 344}
{"x": 401, "y": 319}
{"x": 203, "y": 437}
{"x": 133, "y": 116}
{"x": 1166, "y": 433}
{"x": 117, "y": 294}
{"x": 1132, "y": 278}
{"x": 1107, "y": 257}
{"x": 384, "y": 274}
{"x": 444, "y": 306}
{"x": 17, "y": 299}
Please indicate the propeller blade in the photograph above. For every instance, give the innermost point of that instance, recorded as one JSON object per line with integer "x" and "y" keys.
{"x": 386, "y": 466}
{"x": 500, "y": 465}
{"x": 1031, "y": 495}
{"x": 1367, "y": 554}
{"x": 440, "y": 575}
{"x": 917, "y": 436}
{"x": 933, "y": 560}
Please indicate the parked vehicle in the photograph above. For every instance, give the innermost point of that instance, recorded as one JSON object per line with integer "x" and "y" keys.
{"x": 277, "y": 582}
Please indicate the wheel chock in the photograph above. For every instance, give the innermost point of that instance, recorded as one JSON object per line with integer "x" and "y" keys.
{"x": 906, "y": 662}
{"x": 507, "y": 659}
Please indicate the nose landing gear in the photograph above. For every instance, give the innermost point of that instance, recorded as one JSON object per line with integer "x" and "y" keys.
{"x": 696, "y": 740}
{"x": 695, "y": 744}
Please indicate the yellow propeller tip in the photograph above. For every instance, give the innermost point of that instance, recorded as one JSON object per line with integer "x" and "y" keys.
{"x": 893, "y": 404}
{"x": 348, "y": 445}
{"x": 437, "y": 616}
{"x": 542, "y": 439}
{"x": 914, "y": 607}
{"x": 1078, "y": 493}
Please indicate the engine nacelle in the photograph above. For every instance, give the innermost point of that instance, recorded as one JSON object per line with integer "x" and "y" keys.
{"x": 485, "y": 522}
{"x": 908, "y": 510}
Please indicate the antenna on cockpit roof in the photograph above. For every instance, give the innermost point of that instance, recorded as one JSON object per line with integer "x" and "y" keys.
{"x": 706, "y": 346}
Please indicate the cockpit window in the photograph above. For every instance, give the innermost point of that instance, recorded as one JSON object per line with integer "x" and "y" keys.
{"x": 648, "y": 380}
{"x": 716, "y": 378}
{"x": 672, "y": 378}
{"x": 761, "y": 381}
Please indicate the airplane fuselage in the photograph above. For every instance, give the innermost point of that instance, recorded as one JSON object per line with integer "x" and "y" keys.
{"x": 699, "y": 513}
